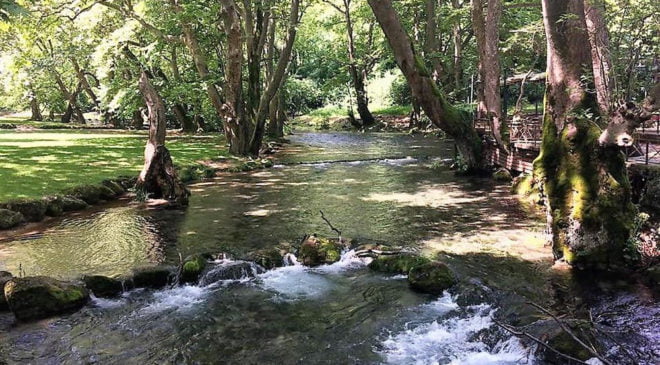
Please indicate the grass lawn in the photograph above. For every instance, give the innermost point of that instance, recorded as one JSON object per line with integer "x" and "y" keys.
{"x": 38, "y": 163}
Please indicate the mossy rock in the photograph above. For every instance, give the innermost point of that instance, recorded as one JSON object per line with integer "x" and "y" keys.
{"x": 650, "y": 199}
{"x": 5, "y": 276}
{"x": 318, "y": 251}
{"x": 192, "y": 268}
{"x": 54, "y": 206}
{"x": 103, "y": 286}
{"x": 40, "y": 297}
{"x": 432, "y": 278}
{"x": 269, "y": 258}
{"x": 113, "y": 185}
{"x": 91, "y": 194}
{"x": 71, "y": 203}
{"x": 32, "y": 210}
{"x": 154, "y": 277}
{"x": 502, "y": 175}
{"x": 127, "y": 182}
{"x": 10, "y": 219}
{"x": 397, "y": 264}
{"x": 236, "y": 270}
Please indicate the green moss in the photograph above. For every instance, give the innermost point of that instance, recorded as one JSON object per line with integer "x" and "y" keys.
{"x": 397, "y": 264}
{"x": 193, "y": 268}
{"x": 432, "y": 277}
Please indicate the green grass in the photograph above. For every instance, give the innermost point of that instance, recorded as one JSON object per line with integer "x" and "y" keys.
{"x": 38, "y": 163}
{"x": 394, "y": 110}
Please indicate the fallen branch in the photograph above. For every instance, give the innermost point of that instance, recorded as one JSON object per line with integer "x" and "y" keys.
{"x": 514, "y": 332}
{"x": 375, "y": 253}
{"x": 330, "y": 224}
{"x": 570, "y": 333}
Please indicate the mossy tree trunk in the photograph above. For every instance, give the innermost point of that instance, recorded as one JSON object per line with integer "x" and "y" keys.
{"x": 158, "y": 179}
{"x": 455, "y": 123}
{"x": 586, "y": 189}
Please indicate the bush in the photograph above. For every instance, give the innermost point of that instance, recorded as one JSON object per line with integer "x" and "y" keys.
{"x": 400, "y": 93}
{"x": 303, "y": 95}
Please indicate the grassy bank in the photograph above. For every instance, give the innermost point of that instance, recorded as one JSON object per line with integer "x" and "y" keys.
{"x": 38, "y": 163}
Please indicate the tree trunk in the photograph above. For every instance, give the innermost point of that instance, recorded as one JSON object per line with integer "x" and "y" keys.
{"x": 236, "y": 126}
{"x": 181, "y": 116}
{"x": 158, "y": 179}
{"x": 276, "y": 81}
{"x": 34, "y": 107}
{"x": 600, "y": 57}
{"x": 137, "y": 121}
{"x": 358, "y": 77}
{"x": 431, "y": 42}
{"x": 487, "y": 34}
{"x": 458, "y": 55}
{"x": 455, "y": 123}
{"x": 587, "y": 193}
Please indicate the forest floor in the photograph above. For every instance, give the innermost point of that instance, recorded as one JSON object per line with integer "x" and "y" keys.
{"x": 37, "y": 163}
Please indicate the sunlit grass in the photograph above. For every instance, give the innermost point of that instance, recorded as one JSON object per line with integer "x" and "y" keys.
{"x": 34, "y": 164}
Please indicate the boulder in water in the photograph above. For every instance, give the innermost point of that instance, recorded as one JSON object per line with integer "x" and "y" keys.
{"x": 433, "y": 277}
{"x": 269, "y": 258}
{"x": 397, "y": 264}
{"x": 10, "y": 219}
{"x": 154, "y": 277}
{"x": 317, "y": 251}
{"x": 32, "y": 210}
{"x": 192, "y": 268}
{"x": 103, "y": 286}
{"x": 40, "y": 296}
{"x": 4, "y": 278}
{"x": 232, "y": 270}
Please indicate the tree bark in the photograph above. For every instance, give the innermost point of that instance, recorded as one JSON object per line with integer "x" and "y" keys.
{"x": 458, "y": 54}
{"x": 34, "y": 106}
{"x": 456, "y": 124}
{"x": 276, "y": 81}
{"x": 487, "y": 34}
{"x": 590, "y": 216}
{"x": 158, "y": 179}
{"x": 431, "y": 42}
{"x": 599, "y": 40}
{"x": 237, "y": 127}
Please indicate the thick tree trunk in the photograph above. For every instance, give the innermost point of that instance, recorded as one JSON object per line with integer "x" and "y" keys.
{"x": 587, "y": 192}
{"x": 431, "y": 47}
{"x": 237, "y": 127}
{"x": 34, "y": 107}
{"x": 158, "y": 179}
{"x": 486, "y": 31}
{"x": 458, "y": 54}
{"x": 182, "y": 118}
{"x": 137, "y": 121}
{"x": 456, "y": 124}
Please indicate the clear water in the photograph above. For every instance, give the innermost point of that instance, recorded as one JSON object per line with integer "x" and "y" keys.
{"x": 340, "y": 313}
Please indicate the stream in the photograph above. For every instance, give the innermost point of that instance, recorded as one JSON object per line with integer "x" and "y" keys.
{"x": 389, "y": 189}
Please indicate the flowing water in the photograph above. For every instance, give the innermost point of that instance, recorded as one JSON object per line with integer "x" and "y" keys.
{"x": 389, "y": 189}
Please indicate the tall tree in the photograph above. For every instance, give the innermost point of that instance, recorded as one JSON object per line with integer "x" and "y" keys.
{"x": 590, "y": 215}
{"x": 358, "y": 70}
{"x": 486, "y": 30}
{"x": 456, "y": 124}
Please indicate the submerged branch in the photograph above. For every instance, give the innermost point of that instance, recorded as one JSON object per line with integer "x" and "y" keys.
{"x": 330, "y": 224}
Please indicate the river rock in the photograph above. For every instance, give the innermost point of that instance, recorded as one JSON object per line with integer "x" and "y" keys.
{"x": 71, "y": 203}
{"x": 192, "y": 268}
{"x": 4, "y": 278}
{"x": 154, "y": 277}
{"x": 40, "y": 296}
{"x": 103, "y": 286}
{"x": 397, "y": 264}
{"x": 91, "y": 194}
{"x": 115, "y": 186}
{"x": 502, "y": 175}
{"x": 433, "y": 277}
{"x": 231, "y": 270}
{"x": 317, "y": 251}
{"x": 10, "y": 219}
{"x": 32, "y": 210}
{"x": 54, "y": 207}
{"x": 269, "y": 258}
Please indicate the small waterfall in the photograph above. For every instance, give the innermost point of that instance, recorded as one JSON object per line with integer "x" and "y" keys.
{"x": 291, "y": 260}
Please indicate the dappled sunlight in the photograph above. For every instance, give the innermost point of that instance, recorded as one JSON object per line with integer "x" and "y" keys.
{"x": 435, "y": 196}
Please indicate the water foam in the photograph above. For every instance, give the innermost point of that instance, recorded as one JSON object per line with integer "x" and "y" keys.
{"x": 180, "y": 298}
{"x": 443, "y": 334}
